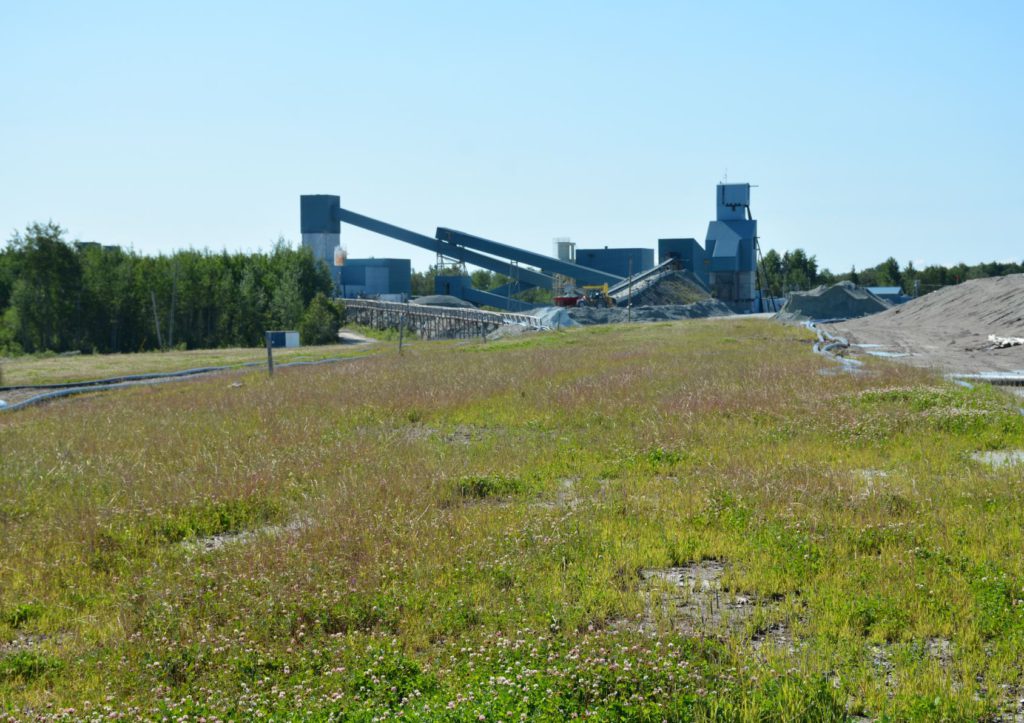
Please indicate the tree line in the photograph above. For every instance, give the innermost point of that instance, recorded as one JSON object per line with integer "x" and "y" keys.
{"x": 60, "y": 295}
{"x": 798, "y": 271}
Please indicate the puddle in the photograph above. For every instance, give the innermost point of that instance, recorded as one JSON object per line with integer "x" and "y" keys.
{"x": 842, "y": 369}
{"x": 887, "y": 354}
{"x": 1000, "y": 458}
{"x": 690, "y": 600}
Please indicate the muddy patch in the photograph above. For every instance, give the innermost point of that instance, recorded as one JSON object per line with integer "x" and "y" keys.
{"x": 776, "y": 637}
{"x": 691, "y": 600}
{"x": 462, "y": 434}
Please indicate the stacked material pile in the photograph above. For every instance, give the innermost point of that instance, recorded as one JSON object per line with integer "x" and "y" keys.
{"x": 841, "y": 301}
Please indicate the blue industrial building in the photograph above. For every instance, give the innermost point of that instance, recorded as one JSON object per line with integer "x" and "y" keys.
{"x": 375, "y": 278}
{"x": 687, "y": 253}
{"x": 621, "y": 262}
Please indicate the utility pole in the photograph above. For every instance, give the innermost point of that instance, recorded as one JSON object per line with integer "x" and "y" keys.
{"x": 629, "y": 299}
{"x": 268, "y": 338}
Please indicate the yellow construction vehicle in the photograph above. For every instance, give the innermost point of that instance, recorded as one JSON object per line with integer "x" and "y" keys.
{"x": 595, "y": 295}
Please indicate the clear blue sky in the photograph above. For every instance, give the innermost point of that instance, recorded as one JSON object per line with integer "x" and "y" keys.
{"x": 871, "y": 128}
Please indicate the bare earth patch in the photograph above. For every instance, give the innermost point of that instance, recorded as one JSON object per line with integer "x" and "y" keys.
{"x": 1000, "y": 458}
{"x": 690, "y": 600}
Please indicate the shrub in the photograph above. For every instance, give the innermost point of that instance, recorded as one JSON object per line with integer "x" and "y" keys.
{"x": 321, "y": 321}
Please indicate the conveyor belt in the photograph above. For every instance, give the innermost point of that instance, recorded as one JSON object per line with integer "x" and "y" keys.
{"x": 623, "y": 290}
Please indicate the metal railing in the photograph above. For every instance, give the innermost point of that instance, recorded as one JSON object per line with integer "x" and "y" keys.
{"x": 435, "y": 322}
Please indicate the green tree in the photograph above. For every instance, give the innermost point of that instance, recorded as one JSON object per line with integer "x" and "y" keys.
{"x": 772, "y": 272}
{"x": 286, "y": 306}
{"x": 321, "y": 321}
{"x": 890, "y": 272}
{"x": 801, "y": 270}
{"x": 47, "y": 291}
{"x": 252, "y": 307}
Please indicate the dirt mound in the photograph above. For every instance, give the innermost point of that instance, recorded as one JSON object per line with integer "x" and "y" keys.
{"x": 949, "y": 328}
{"x": 680, "y": 287}
{"x": 670, "y": 312}
{"x": 840, "y": 301}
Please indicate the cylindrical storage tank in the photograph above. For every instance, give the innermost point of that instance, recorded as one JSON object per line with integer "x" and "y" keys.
{"x": 565, "y": 250}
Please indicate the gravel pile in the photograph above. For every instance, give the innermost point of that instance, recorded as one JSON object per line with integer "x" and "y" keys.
{"x": 679, "y": 288}
{"x": 555, "y": 317}
{"x": 442, "y": 300}
{"x": 841, "y": 301}
{"x": 670, "y": 312}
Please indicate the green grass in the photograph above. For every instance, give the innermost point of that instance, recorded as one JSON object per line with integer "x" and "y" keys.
{"x": 459, "y": 532}
{"x": 52, "y": 369}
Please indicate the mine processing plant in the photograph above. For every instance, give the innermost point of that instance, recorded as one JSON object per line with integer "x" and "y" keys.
{"x": 726, "y": 264}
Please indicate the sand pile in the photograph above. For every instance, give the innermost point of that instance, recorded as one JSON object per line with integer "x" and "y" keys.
{"x": 670, "y": 312}
{"x": 841, "y": 301}
{"x": 950, "y": 328}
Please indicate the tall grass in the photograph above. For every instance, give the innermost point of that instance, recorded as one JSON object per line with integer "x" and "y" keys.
{"x": 459, "y": 531}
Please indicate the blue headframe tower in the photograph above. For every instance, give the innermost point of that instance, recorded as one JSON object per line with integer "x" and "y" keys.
{"x": 731, "y": 247}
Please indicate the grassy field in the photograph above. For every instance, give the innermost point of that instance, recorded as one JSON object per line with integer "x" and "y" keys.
{"x": 497, "y": 532}
{"x": 84, "y": 367}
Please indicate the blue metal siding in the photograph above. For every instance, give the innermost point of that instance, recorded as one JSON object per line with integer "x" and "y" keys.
{"x": 732, "y": 201}
{"x": 730, "y": 245}
{"x": 319, "y": 214}
{"x": 690, "y": 254}
{"x": 616, "y": 261}
{"x": 375, "y": 277}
